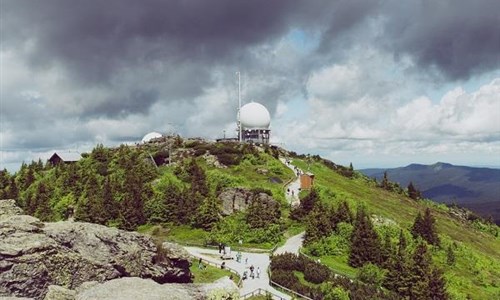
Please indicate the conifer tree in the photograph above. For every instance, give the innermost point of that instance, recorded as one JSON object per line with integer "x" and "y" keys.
{"x": 420, "y": 272}
{"x": 198, "y": 179}
{"x": 425, "y": 227}
{"x": 108, "y": 203}
{"x": 209, "y": 213}
{"x": 13, "y": 191}
{"x": 93, "y": 193}
{"x": 306, "y": 205}
{"x": 386, "y": 252}
{"x": 343, "y": 213}
{"x": 437, "y": 285}
{"x": 4, "y": 184}
{"x": 261, "y": 213}
{"x": 43, "y": 210}
{"x": 318, "y": 225}
{"x": 365, "y": 243}
{"x": 398, "y": 279}
{"x": 413, "y": 193}
{"x": 385, "y": 182}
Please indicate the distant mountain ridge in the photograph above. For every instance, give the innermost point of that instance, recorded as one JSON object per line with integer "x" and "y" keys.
{"x": 475, "y": 188}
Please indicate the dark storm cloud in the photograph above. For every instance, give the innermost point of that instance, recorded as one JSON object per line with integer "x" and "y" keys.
{"x": 94, "y": 39}
{"x": 460, "y": 38}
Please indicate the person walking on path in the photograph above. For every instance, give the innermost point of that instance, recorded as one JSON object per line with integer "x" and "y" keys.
{"x": 258, "y": 272}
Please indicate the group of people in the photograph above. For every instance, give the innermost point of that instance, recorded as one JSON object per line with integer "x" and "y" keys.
{"x": 253, "y": 272}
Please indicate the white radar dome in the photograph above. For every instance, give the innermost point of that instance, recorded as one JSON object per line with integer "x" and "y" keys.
{"x": 152, "y": 135}
{"x": 254, "y": 116}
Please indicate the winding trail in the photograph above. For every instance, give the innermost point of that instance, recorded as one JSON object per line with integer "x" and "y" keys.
{"x": 293, "y": 188}
{"x": 259, "y": 260}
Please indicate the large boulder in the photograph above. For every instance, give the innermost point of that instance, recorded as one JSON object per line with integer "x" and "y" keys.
{"x": 145, "y": 289}
{"x": 35, "y": 255}
{"x": 239, "y": 199}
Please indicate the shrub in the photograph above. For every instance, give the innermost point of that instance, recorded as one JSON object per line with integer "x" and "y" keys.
{"x": 371, "y": 274}
{"x": 315, "y": 272}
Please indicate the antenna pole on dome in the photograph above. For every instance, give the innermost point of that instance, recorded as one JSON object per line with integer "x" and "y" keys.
{"x": 239, "y": 106}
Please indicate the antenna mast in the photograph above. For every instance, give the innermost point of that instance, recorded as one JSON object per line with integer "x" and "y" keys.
{"x": 239, "y": 106}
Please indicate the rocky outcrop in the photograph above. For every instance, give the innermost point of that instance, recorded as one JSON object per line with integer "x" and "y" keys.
{"x": 145, "y": 289}
{"x": 35, "y": 255}
{"x": 239, "y": 199}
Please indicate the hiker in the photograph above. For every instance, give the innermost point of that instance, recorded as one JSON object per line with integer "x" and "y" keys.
{"x": 200, "y": 264}
{"x": 258, "y": 272}
{"x": 223, "y": 265}
{"x": 246, "y": 260}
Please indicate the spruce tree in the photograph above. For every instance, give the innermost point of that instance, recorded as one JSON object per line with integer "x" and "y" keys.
{"x": 413, "y": 193}
{"x": 262, "y": 213}
{"x": 385, "y": 182}
{"x": 43, "y": 210}
{"x": 398, "y": 279}
{"x": 108, "y": 203}
{"x": 365, "y": 243}
{"x": 13, "y": 192}
{"x": 387, "y": 251}
{"x": 425, "y": 227}
{"x": 318, "y": 225}
{"x": 209, "y": 213}
{"x": 306, "y": 205}
{"x": 343, "y": 213}
{"x": 420, "y": 272}
{"x": 437, "y": 285}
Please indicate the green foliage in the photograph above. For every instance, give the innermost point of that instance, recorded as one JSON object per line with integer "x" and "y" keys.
{"x": 413, "y": 192}
{"x": 306, "y": 205}
{"x": 262, "y": 213}
{"x": 450, "y": 256}
{"x": 371, "y": 274}
{"x": 209, "y": 213}
{"x": 64, "y": 208}
{"x": 425, "y": 227}
{"x": 365, "y": 243}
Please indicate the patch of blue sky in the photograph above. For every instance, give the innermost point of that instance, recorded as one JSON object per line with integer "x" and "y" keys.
{"x": 303, "y": 41}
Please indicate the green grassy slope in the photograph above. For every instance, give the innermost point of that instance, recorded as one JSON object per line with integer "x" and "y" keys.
{"x": 477, "y": 270}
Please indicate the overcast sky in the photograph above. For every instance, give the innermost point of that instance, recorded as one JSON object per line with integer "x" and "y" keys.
{"x": 379, "y": 83}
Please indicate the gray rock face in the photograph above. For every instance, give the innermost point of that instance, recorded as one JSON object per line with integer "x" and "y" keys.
{"x": 239, "y": 199}
{"x": 144, "y": 289}
{"x": 34, "y": 255}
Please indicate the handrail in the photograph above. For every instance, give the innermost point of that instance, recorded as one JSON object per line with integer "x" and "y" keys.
{"x": 233, "y": 248}
{"x": 260, "y": 291}
{"x": 279, "y": 286}
{"x": 217, "y": 265}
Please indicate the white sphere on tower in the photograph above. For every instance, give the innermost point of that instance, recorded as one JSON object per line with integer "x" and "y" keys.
{"x": 254, "y": 116}
{"x": 152, "y": 135}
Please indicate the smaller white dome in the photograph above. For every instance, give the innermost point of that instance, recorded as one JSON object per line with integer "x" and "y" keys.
{"x": 254, "y": 116}
{"x": 152, "y": 135}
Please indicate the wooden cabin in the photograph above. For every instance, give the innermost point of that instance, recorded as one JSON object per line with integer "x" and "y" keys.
{"x": 306, "y": 181}
{"x": 66, "y": 158}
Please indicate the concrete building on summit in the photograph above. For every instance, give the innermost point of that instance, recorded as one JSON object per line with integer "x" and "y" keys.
{"x": 253, "y": 123}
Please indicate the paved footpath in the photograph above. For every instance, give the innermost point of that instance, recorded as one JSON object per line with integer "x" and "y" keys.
{"x": 258, "y": 260}
{"x": 293, "y": 188}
